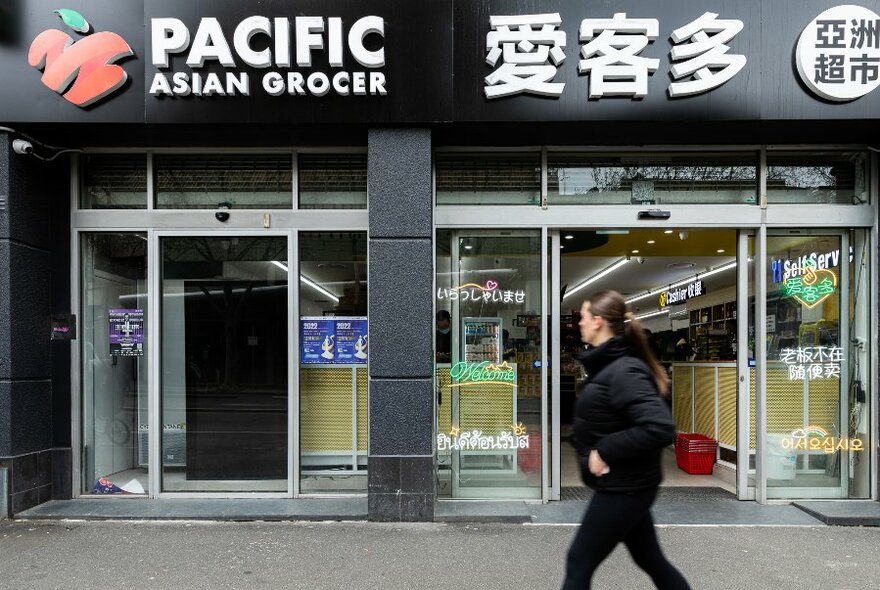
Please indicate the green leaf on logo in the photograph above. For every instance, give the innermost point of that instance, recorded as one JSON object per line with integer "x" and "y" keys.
{"x": 73, "y": 19}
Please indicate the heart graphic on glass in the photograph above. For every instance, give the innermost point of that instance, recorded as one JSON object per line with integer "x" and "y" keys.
{"x": 811, "y": 288}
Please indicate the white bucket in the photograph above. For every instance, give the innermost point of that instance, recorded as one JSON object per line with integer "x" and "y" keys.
{"x": 780, "y": 462}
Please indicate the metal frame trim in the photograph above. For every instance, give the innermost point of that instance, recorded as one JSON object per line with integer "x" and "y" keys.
{"x": 742, "y": 362}
{"x": 155, "y": 466}
{"x": 555, "y": 371}
{"x": 760, "y": 364}
{"x": 545, "y": 472}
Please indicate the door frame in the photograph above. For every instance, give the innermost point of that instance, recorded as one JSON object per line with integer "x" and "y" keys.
{"x": 743, "y": 491}
{"x": 763, "y": 493}
{"x": 155, "y": 334}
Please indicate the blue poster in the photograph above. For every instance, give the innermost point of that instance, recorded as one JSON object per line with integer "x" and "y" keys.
{"x": 317, "y": 340}
{"x": 333, "y": 341}
{"x": 351, "y": 340}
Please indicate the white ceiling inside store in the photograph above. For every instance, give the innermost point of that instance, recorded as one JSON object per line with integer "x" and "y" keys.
{"x": 634, "y": 277}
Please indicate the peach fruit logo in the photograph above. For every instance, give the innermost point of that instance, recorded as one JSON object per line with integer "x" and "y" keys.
{"x": 82, "y": 71}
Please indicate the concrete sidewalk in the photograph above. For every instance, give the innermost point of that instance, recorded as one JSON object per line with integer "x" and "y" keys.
{"x": 356, "y": 555}
{"x": 675, "y": 505}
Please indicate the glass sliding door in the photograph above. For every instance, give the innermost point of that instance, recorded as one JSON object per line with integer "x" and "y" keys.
{"x": 114, "y": 364}
{"x": 334, "y": 352}
{"x": 489, "y": 363}
{"x": 743, "y": 408}
{"x": 818, "y": 365}
{"x": 224, "y": 364}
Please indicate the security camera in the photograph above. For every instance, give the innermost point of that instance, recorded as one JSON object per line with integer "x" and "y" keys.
{"x": 682, "y": 235}
{"x": 222, "y": 216}
{"x": 23, "y": 147}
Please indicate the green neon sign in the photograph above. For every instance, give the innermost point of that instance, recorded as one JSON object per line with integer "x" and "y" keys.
{"x": 812, "y": 288}
{"x": 483, "y": 372}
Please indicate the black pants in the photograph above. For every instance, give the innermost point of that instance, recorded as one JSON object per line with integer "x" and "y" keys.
{"x": 619, "y": 518}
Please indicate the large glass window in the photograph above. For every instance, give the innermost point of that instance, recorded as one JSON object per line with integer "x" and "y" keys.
{"x": 224, "y": 364}
{"x": 114, "y": 181}
{"x": 818, "y": 353}
{"x": 488, "y": 179}
{"x": 796, "y": 177}
{"x": 332, "y": 181}
{"x": 334, "y": 352}
{"x": 488, "y": 376}
{"x": 651, "y": 179}
{"x": 114, "y": 364}
{"x": 213, "y": 181}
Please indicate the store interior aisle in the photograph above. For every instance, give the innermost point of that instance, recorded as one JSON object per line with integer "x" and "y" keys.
{"x": 672, "y": 475}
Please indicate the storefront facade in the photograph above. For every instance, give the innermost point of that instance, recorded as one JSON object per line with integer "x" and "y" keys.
{"x": 145, "y": 263}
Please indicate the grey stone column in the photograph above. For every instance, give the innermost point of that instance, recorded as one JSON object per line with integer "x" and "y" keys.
{"x": 401, "y": 263}
{"x": 28, "y": 191}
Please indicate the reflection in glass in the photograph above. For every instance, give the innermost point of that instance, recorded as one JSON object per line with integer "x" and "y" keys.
{"x": 114, "y": 181}
{"x": 817, "y": 352}
{"x": 213, "y": 181}
{"x": 489, "y": 392}
{"x": 334, "y": 352}
{"x": 114, "y": 364}
{"x": 651, "y": 179}
{"x": 224, "y": 363}
{"x": 332, "y": 181}
{"x": 488, "y": 179}
{"x": 817, "y": 178}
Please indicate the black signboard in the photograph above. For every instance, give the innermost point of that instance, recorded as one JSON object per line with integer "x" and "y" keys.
{"x": 317, "y": 61}
{"x": 23, "y": 94}
{"x": 401, "y": 61}
{"x": 766, "y": 87}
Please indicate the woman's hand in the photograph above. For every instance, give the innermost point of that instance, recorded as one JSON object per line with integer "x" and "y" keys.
{"x": 597, "y": 466}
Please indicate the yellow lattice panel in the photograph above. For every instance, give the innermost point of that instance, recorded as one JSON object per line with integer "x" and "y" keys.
{"x": 704, "y": 401}
{"x": 752, "y": 409}
{"x": 325, "y": 409}
{"x": 444, "y": 408}
{"x": 363, "y": 410}
{"x": 486, "y": 406}
{"x": 682, "y": 403}
{"x": 727, "y": 406}
{"x": 785, "y": 401}
{"x": 823, "y": 410}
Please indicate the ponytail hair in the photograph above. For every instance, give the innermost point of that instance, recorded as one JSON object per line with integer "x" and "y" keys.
{"x": 611, "y": 306}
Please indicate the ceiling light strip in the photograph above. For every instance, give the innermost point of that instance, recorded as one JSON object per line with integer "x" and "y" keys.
{"x": 308, "y": 282}
{"x": 602, "y": 273}
{"x": 652, "y": 314}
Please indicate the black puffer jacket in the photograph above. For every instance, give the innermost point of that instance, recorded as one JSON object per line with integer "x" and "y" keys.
{"x": 620, "y": 414}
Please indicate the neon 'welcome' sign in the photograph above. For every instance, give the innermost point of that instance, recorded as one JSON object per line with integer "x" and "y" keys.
{"x": 816, "y": 438}
{"x": 486, "y": 293}
{"x": 475, "y": 440}
{"x": 483, "y": 373}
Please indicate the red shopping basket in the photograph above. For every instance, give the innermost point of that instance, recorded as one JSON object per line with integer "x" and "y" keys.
{"x": 530, "y": 459}
{"x": 695, "y": 453}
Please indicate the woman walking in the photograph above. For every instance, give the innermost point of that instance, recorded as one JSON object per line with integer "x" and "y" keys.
{"x": 621, "y": 426}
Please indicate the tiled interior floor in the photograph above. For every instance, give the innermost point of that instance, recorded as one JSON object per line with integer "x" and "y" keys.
{"x": 672, "y": 475}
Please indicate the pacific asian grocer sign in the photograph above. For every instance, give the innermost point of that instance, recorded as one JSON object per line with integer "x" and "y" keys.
{"x": 277, "y": 61}
{"x": 286, "y": 56}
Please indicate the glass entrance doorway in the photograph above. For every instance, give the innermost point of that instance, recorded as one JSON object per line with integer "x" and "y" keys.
{"x": 224, "y": 364}
{"x": 489, "y": 369}
{"x": 682, "y": 285}
{"x": 816, "y": 403}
